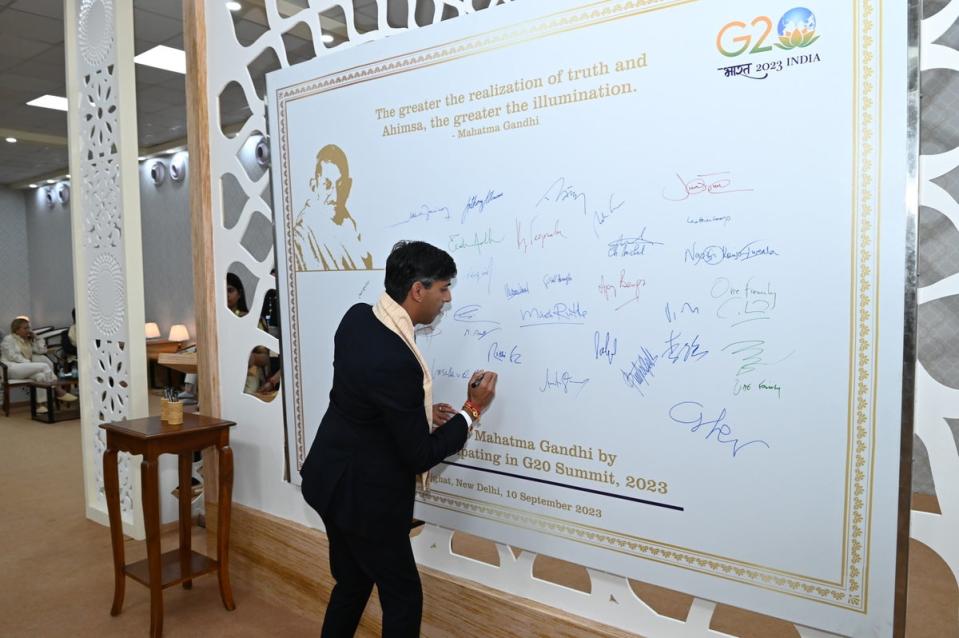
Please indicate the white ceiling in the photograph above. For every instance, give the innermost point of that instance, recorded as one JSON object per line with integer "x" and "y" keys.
{"x": 32, "y": 64}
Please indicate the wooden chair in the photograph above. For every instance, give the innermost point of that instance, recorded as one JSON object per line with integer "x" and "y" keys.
{"x": 7, "y": 384}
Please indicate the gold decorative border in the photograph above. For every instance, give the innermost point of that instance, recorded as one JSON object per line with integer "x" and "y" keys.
{"x": 850, "y": 592}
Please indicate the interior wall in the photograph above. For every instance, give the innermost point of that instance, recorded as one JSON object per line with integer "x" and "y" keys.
{"x": 15, "y": 273}
{"x": 45, "y": 246}
{"x": 50, "y": 256}
{"x": 167, "y": 247}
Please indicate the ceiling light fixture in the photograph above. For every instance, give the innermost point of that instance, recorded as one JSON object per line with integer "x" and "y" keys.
{"x": 51, "y": 181}
{"x": 327, "y": 38}
{"x": 33, "y": 185}
{"x": 163, "y": 57}
{"x": 234, "y": 6}
{"x": 54, "y": 102}
{"x": 11, "y": 140}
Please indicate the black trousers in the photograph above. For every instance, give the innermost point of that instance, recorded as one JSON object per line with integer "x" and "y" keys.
{"x": 357, "y": 563}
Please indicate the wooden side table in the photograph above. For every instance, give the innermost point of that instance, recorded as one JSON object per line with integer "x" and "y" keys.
{"x": 152, "y": 437}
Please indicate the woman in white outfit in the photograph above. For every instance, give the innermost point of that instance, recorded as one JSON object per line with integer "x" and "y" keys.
{"x": 22, "y": 352}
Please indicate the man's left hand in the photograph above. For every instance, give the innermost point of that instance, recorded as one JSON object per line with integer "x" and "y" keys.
{"x": 442, "y": 412}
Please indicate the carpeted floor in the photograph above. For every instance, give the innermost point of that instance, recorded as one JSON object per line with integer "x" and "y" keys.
{"x": 56, "y": 575}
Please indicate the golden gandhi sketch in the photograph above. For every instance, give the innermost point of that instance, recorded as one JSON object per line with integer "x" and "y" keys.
{"x": 325, "y": 235}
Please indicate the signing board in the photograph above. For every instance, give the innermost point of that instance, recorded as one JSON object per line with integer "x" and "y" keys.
{"x": 680, "y": 233}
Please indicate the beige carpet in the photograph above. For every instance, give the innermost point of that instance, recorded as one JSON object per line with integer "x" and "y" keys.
{"x": 56, "y": 575}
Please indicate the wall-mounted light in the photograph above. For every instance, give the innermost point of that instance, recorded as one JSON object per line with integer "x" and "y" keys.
{"x": 178, "y": 167}
{"x": 157, "y": 172}
{"x": 262, "y": 152}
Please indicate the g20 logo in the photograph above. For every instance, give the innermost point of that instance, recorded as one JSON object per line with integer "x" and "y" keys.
{"x": 796, "y": 29}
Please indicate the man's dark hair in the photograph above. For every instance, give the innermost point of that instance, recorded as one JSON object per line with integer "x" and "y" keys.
{"x": 412, "y": 261}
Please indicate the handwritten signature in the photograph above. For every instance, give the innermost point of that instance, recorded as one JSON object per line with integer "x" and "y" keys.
{"x": 715, "y": 254}
{"x": 467, "y": 314}
{"x": 496, "y": 353}
{"x": 563, "y": 380}
{"x": 603, "y": 348}
{"x": 534, "y": 238}
{"x": 557, "y": 314}
{"x": 691, "y": 413}
{"x": 459, "y": 242}
{"x": 631, "y": 246}
{"x": 557, "y": 278}
{"x": 475, "y": 202}
{"x": 640, "y": 371}
{"x": 517, "y": 290}
{"x": 711, "y": 183}
{"x": 679, "y": 350}
{"x": 425, "y": 212}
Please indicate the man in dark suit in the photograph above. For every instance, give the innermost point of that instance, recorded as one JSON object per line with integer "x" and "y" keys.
{"x": 375, "y": 438}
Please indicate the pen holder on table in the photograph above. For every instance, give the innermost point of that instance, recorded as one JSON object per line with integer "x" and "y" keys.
{"x": 164, "y": 409}
{"x": 174, "y": 412}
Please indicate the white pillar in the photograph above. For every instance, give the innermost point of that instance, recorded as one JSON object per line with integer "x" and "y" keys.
{"x": 107, "y": 248}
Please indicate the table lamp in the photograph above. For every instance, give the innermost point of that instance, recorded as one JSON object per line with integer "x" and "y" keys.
{"x": 178, "y": 333}
{"x": 151, "y": 330}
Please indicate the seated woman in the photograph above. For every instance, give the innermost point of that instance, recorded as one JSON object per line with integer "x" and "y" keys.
{"x": 23, "y": 354}
{"x": 258, "y": 364}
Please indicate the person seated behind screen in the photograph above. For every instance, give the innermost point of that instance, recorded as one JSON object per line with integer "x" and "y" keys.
{"x": 236, "y": 303}
{"x": 325, "y": 235}
{"x": 24, "y": 355}
{"x": 70, "y": 347}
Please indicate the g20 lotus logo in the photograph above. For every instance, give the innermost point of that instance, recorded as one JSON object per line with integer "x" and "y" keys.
{"x": 796, "y": 30}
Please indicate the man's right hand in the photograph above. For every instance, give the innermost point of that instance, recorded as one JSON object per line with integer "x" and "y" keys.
{"x": 485, "y": 389}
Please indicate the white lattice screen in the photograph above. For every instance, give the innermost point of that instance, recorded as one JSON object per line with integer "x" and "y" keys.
{"x": 108, "y": 268}
{"x": 238, "y": 58}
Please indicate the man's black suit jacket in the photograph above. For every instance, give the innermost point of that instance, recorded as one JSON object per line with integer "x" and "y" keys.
{"x": 374, "y": 439}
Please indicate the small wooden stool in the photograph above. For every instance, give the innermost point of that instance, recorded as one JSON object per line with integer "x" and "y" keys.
{"x": 152, "y": 437}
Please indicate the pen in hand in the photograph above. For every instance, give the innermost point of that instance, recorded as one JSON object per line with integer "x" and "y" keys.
{"x": 476, "y": 383}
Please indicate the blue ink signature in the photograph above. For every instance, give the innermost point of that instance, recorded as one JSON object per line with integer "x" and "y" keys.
{"x": 558, "y": 192}
{"x": 481, "y": 204}
{"x": 640, "y": 371}
{"x": 631, "y": 246}
{"x": 558, "y": 314}
{"x": 686, "y": 308}
{"x": 467, "y": 314}
{"x": 691, "y": 413}
{"x": 425, "y": 212}
{"x": 520, "y": 289}
{"x": 603, "y": 348}
{"x": 562, "y": 380}
{"x": 479, "y": 333}
{"x": 678, "y": 350}
{"x": 556, "y": 278}
{"x": 600, "y": 216}
{"x": 495, "y": 353}
{"x": 715, "y": 255}
{"x": 476, "y": 275}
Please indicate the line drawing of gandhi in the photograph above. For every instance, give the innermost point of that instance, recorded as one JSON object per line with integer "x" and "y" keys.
{"x": 325, "y": 235}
